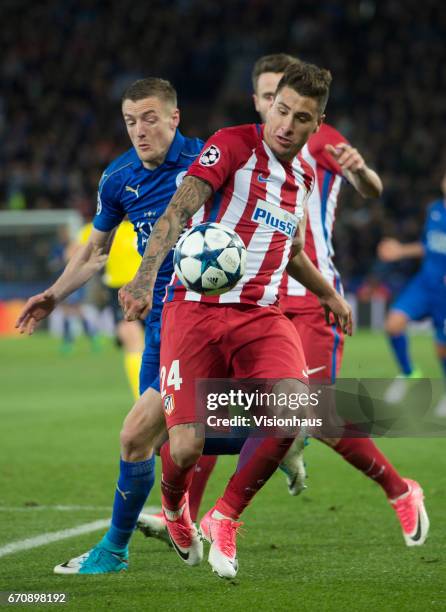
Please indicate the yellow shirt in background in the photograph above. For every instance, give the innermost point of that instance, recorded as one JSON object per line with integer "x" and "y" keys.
{"x": 124, "y": 259}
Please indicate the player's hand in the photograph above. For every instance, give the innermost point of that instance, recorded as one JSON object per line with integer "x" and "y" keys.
{"x": 347, "y": 157}
{"x": 38, "y": 307}
{"x": 136, "y": 302}
{"x": 389, "y": 249}
{"x": 339, "y": 309}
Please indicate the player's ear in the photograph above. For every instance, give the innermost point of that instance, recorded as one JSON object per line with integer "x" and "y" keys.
{"x": 320, "y": 121}
{"x": 256, "y": 102}
{"x": 176, "y": 117}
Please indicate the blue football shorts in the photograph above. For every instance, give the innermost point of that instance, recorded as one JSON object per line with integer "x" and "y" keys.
{"x": 420, "y": 301}
{"x": 150, "y": 364}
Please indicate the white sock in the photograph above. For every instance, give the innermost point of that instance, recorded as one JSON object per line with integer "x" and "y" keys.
{"x": 173, "y": 515}
{"x": 219, "y": 516}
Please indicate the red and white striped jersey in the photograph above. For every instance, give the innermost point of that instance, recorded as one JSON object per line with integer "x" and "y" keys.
{"x": 258, "y": 196}
{"x": 293, "y": 296}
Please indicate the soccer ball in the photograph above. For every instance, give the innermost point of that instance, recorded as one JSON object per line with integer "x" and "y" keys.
{"x": 210, "y": 259}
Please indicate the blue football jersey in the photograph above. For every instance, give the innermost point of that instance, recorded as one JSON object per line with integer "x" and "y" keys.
{"x": 434, "y": 240}
{"x": 128, "y": 188}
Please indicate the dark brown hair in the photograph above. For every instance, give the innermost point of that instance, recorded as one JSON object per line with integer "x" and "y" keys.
{"x": 152, "y": 86}
{"x": 308, "y": 80}
{"x": 277, "y": 62}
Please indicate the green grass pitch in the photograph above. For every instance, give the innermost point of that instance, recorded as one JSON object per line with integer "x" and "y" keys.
{"x": 336, "y": 547}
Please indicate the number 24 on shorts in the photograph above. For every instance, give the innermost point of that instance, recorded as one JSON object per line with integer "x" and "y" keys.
{"x": 173, "y": 377}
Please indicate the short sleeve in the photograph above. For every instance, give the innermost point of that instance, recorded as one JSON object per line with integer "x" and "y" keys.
{"x": 218, "y": 159}
{"x": 109, "y": 211}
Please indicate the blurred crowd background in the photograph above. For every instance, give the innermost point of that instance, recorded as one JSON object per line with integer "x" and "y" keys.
{"x": 64, "y": 66}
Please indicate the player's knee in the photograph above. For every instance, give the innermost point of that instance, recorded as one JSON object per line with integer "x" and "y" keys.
{"x": 288, "y": 394}
{"x": 136, "y": 438}
{"x": 186, "y": 453}
{"x": 143, "y": 424}
{"x": 134, "y": 447}
{"x": 289, "y": 386}
{"x": 396, "y": 323}
{"x": 186, "y": 443}
{"x": 128, "y": 437}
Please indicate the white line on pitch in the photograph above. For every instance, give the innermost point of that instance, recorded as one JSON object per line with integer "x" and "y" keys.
{"x": 57, "y": 508}
{"x": 54, "y": 536}
{"x": 148, "y": 509}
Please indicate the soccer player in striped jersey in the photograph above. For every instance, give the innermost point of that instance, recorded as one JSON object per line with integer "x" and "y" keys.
{"x": 251, "y": 178}
{"x": 334, "y": 162}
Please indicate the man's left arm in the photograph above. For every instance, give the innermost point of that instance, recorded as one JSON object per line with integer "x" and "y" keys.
{"x": 303, "y": 270}
{"x": 365, "y": 180}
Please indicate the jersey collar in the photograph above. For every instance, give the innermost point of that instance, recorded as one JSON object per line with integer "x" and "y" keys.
{"x": 175, "y": 148}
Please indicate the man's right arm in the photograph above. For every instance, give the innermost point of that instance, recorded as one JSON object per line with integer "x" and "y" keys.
{"x": 84, "y": 263}
{"x": 390, "y": 249}
{"x": 136, "y": 296}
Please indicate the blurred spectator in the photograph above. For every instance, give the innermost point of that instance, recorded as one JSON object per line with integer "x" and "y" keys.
{"x": 64, "y": 67}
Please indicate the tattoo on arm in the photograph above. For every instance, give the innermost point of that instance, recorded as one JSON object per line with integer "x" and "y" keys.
{"x": 189, "y": 197}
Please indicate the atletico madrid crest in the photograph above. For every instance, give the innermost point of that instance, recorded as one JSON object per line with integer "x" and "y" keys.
{"x": 169, "y": 404}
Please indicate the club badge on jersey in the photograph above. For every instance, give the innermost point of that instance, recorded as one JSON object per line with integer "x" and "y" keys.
{"x": 169, "y": 404}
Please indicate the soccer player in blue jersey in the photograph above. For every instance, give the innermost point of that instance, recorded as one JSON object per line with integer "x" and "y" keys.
{"x": 424, "y": 296}
{"x": 139, "y": 184}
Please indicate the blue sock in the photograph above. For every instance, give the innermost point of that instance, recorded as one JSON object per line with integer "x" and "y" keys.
{"x": 134, "y": 485}
{"x": 67, "y": 333}
{"x": 401, "y": 350}
{"x": 88, "y": 328}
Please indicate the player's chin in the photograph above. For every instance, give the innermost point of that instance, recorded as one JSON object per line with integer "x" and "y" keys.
{"x": 146, "y": 155}
{"x": 288, "y": 149}
{"x": 283, "y": 151}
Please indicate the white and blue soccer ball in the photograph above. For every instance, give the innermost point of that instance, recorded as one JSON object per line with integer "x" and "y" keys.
{"x": 210, "y": 259}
